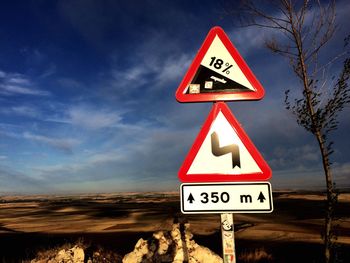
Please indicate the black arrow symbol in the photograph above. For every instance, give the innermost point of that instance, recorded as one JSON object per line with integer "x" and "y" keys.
{"x": 218, "y": 151}
{"x": 190, "y": 198}
{"x": 261, "y": 197}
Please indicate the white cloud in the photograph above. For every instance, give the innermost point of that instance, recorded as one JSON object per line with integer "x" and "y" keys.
{"x": 310, "y": 177}
{"x": 9, "y": 134}
{"x": 88, "y": 117}
{"x": 298, "y": 178}
{"x": 18, "y": 79}
{"x": 13, "y": 181}
{"x": 82, "y": 168}
{"x": 285, "y": 156}
{"x": 171, "y": 69}
{"x": 46, "y": 172}
{"x": 65, "y": 144}
{"x": 18, "y": 84}
{"x": 126, "y": 80}
{"x": 156, "y": 63}
{"x": 248, "y": 39}
{"x": 27, "y": 111}
{"x": 158, "y": 74}
{"x": 92, "y": 118}
{"x": 49, "y": 71}
{"x": 342, "y": 172}
{"x": 2, "y": 74}
{"x": 18, "y": 90}
{"x": 105, "y": 157}
{"x": 152, "y": 153}
{"x": 132, "y": 74}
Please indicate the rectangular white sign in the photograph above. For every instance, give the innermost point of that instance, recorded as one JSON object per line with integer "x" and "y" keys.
{"x": 217, "y": 198}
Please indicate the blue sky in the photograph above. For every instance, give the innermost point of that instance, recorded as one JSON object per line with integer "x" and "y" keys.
{"x": 87, "y": 97}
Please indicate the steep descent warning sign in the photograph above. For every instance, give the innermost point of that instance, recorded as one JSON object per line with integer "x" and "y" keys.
{"x": 223, "y": 152}
{"x": 218, "y": 73}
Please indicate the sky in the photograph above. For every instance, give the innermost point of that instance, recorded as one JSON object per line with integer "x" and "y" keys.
{"x": 87, "y": 97}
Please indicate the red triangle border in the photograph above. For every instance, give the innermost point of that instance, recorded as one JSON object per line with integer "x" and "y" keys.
{"x": 180, "y": 94}
{"x": 265, "y": 174}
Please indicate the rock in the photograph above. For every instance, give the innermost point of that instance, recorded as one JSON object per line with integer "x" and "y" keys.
{"x": 197, "y": 253}
{"x": 136, "y": 256}
{"x": 163, "y": 242}
{"x": 63, "y": 256}
{"x": 173, "y": 246}
{"x": 176, "y": 246}
{"x": 179, "y": 255}
{"x": 40, "y": 261}
{"x": 78, "y": 255}
{"x": 204, "y": 255}
{"x": 73, "y": 255}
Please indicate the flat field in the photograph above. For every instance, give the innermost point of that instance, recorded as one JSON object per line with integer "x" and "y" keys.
{"x": 291, "y": 233}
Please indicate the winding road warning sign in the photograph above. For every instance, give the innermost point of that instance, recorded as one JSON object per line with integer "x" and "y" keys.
{"x": 223, "y": 152}
{"x": 218, "y": 73}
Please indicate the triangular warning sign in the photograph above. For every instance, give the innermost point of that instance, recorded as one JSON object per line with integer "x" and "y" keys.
{"x": 223, "y": 152}
{"x": 218, "y": 73}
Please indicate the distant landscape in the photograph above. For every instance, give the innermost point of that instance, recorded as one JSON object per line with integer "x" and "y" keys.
{"x": 29, "y": 224}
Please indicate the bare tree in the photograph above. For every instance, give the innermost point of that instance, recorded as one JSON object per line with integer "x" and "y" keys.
{"x": 307, "y": 26}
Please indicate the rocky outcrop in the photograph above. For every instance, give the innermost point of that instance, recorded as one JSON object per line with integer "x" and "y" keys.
{"x": 174, "y": 246}
{"x": 72, "y": 255}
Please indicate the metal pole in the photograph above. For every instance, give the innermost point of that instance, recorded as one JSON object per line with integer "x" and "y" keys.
{"x": 228, "y": 238}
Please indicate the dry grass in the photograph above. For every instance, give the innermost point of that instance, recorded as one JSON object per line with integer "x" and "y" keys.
{"x": 97, "y": 254}
{"x": 257, "y": 255}
{"x": 47, "y": 254}
{"x": 117, "y": 221}
{"x": 102, "y": 255}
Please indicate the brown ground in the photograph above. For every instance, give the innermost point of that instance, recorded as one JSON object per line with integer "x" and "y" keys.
{"x": 116, "y": 221}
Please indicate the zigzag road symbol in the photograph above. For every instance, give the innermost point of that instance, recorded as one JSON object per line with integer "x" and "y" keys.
{"x": 218, "y": 151}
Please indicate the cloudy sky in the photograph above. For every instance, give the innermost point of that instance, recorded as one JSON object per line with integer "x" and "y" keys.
{"x": 87, "y": 98}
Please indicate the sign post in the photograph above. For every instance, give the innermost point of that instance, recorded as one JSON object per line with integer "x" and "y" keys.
{"x": 223, "y": 172}
{"x": 228, "y": 238}
{"x": 226, "y": 199}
